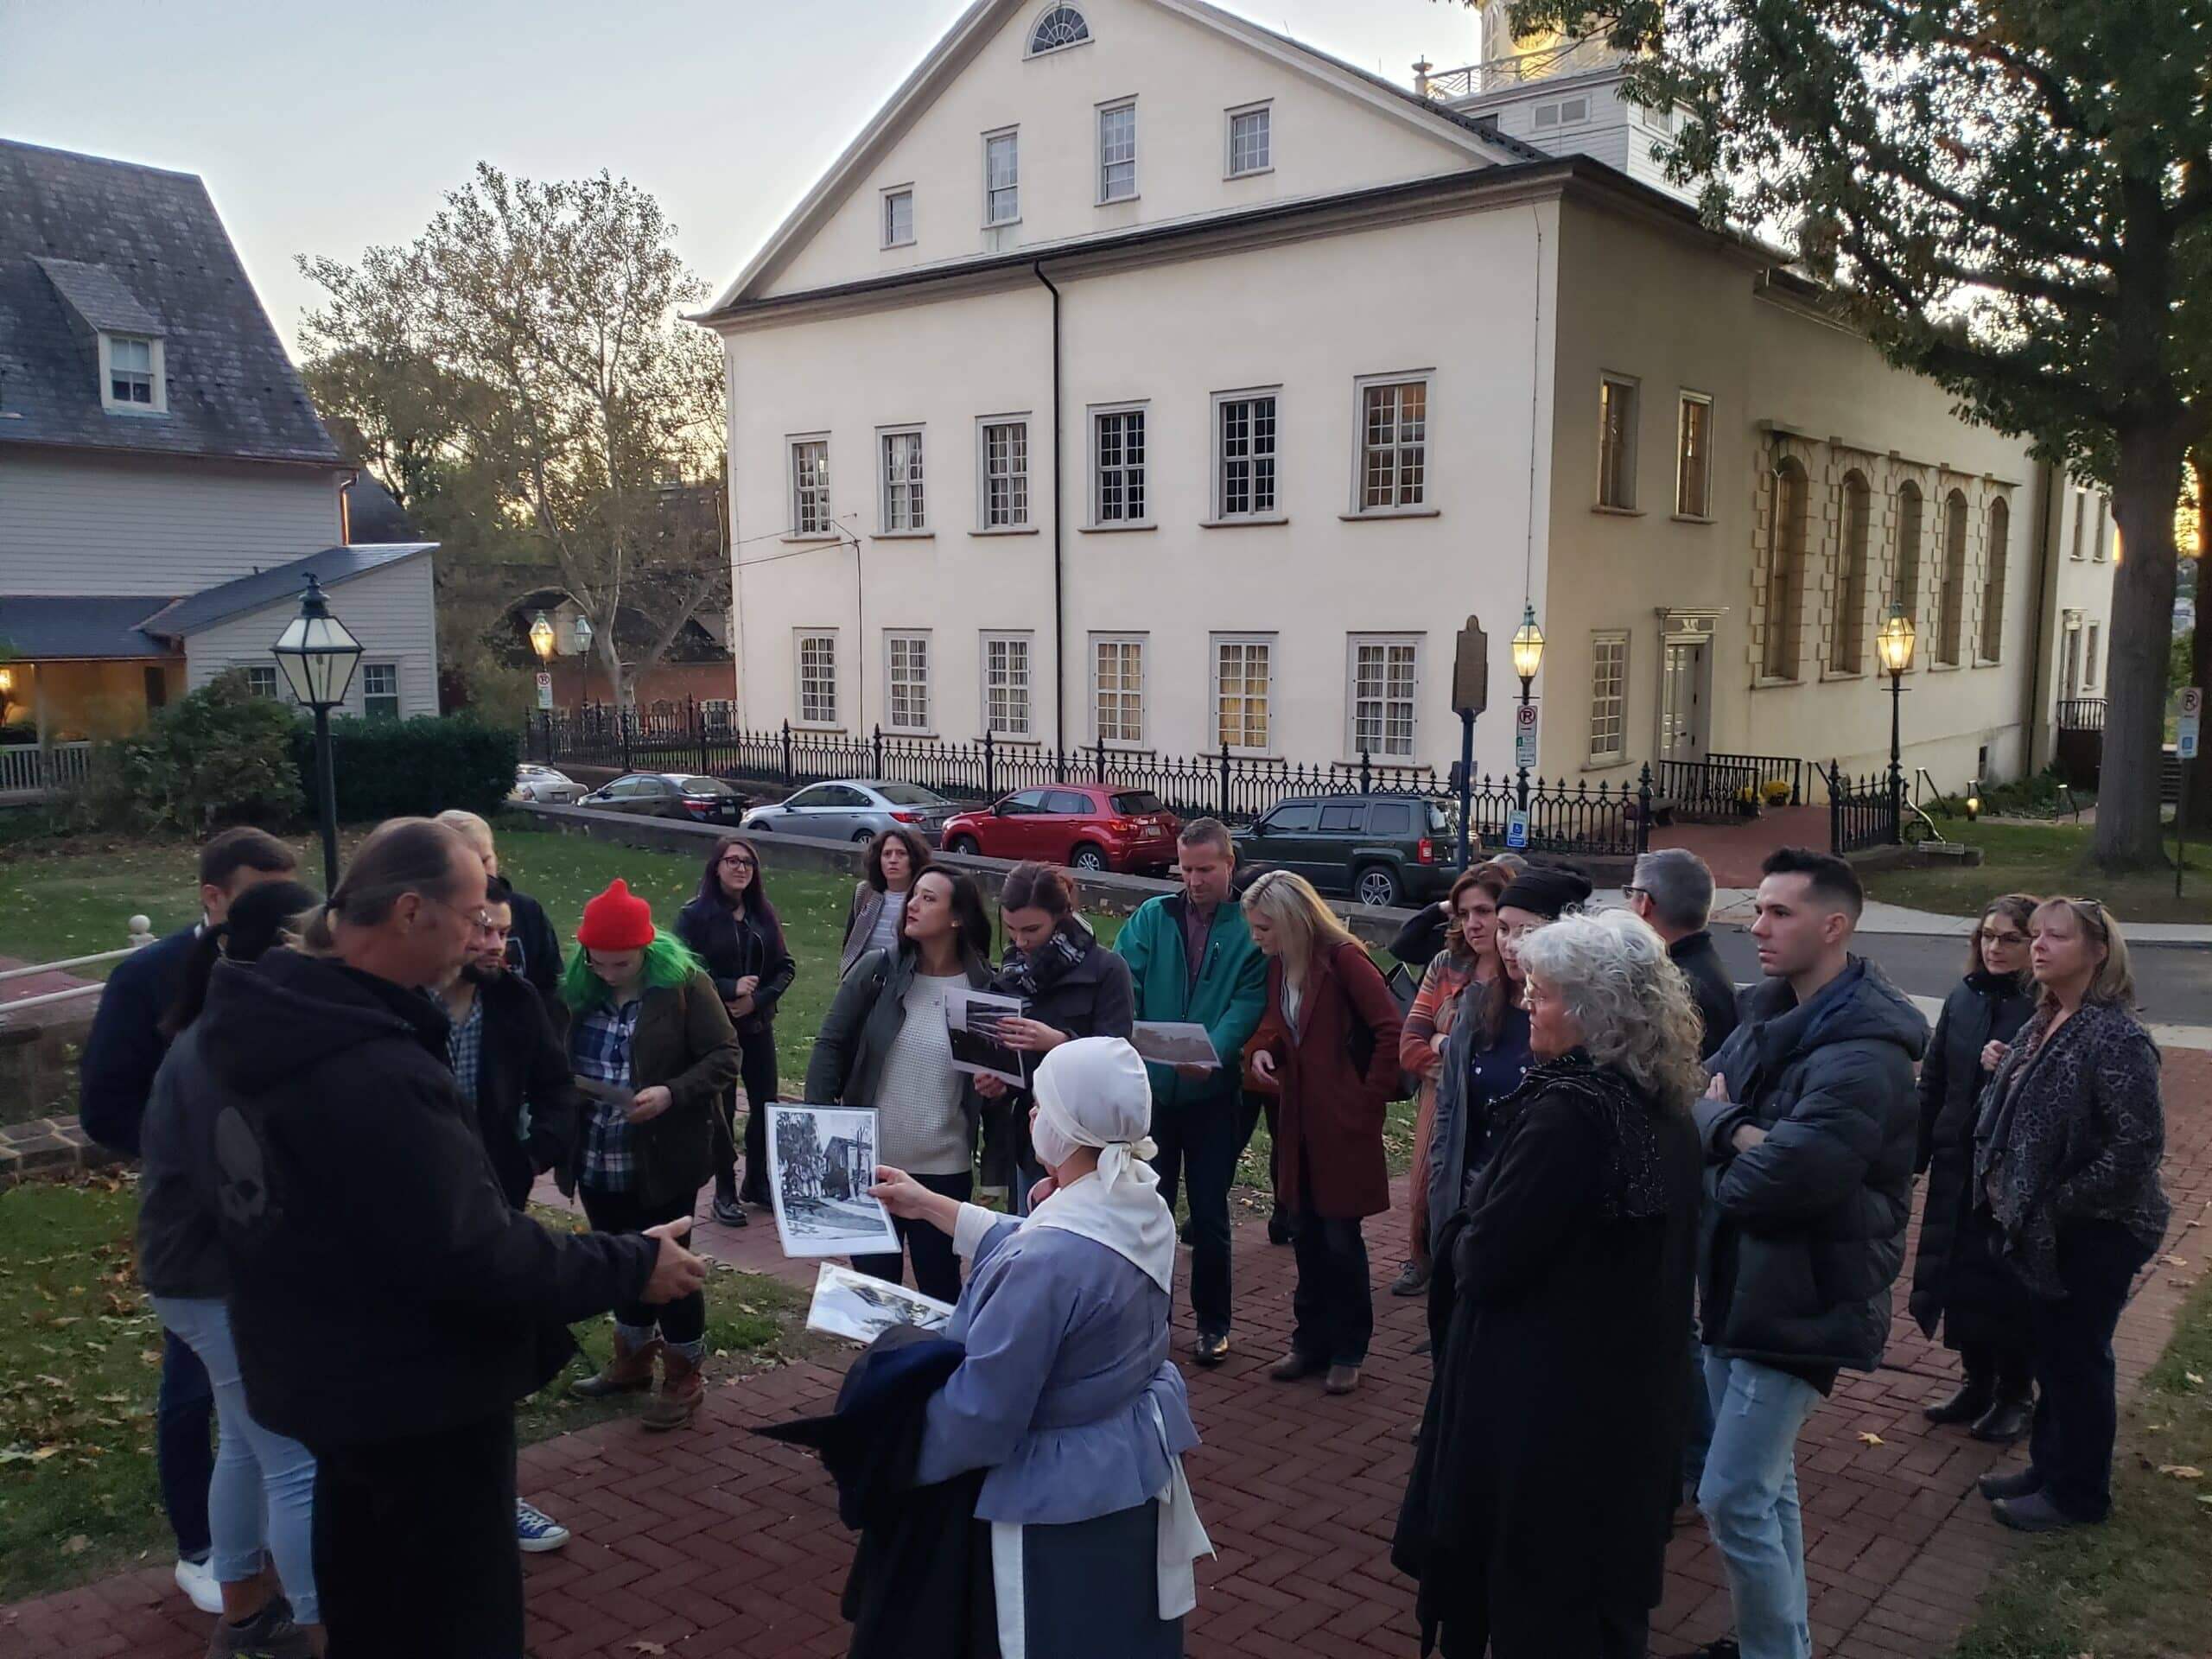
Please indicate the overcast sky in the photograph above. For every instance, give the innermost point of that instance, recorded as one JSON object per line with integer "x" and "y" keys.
{"x": 324, "y": 134}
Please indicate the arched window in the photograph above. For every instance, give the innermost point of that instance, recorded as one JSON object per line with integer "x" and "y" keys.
{"x": 1904, "y": 589}
{"x": 1061, "y": 26}
{"x": 1785, "y": 580}
{"x": 1993, "y": 592}
{"x": 1848, "y": 644}
{"x": 1951, "y": 596}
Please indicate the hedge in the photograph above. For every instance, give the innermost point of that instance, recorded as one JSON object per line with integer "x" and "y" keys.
{"x": 400, "y": 768}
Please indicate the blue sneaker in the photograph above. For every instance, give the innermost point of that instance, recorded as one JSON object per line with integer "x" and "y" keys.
{"x": 536, "y": 1532}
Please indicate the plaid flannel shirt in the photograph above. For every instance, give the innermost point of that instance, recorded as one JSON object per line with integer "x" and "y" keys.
{"x": 601, "y": 1053}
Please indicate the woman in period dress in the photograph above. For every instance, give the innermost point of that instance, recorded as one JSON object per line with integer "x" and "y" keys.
{"x": 1066, "y": 1396}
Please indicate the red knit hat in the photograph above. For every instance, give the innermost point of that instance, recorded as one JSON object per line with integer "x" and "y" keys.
{"x": 617, "y": 920}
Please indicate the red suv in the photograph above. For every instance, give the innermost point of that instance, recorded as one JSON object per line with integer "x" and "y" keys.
{"x": 1084, "y": 826}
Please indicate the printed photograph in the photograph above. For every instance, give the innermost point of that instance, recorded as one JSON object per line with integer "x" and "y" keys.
{"x": 824, "y": 1162}
{"x": 849, "y": 1304}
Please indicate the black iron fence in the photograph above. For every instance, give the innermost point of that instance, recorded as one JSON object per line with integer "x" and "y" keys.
{"x": 1729, "y": 786}
{"x": 1863, "y": 812}
{"x": 2080, "y": 714}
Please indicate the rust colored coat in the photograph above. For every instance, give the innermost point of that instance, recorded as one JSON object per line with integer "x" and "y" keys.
{"x": 1336, "y": 1072}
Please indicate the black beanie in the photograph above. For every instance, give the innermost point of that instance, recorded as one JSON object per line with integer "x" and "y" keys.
{"x": 1546, "y": 891}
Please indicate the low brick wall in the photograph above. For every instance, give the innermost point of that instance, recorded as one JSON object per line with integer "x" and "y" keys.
{"x": 48, "y": 1146}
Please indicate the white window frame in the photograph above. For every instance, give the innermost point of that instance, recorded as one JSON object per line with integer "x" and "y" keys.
{"x": 1263, "y": 108}
{"x": 919, "y": 684}
{"x": 1215, "y": 643}
{"x": 1097, "y": 414}
{"x": 2092, "y": 639}
{"x": 1354, "y": 644}
{"x": 261, "y": 680}
{"x": 1557, "y": 109}
{"x": 1122, "y": 739}
{"x": 1007, "y": 732}
{"x": 391, "y": 697}
{"x": 915, "y": 485}
{"x": 890, "y": 194}
{"x": 1703, "y": 400}
{"x": 1608, "y": 706}
{"x": 157, "y": 401}
{"x": 2097, "y": 547}
{"x": 1029, "y": 31}
{"x": 1425, "y": 506}
{"x": 1625, "y": 456}
{"x": 1253, "y": 512}
{"x": 1024, "y": 524}
{"x": 823, "y": 721}
{"x": 1013, "y": 135}
{"x": 2080, "y": 517}
{"x": 800, "y": 530}
{"x": 1106, "y": 197}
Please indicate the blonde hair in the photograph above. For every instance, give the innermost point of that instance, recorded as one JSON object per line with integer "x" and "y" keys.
{"x": 1299, "y": 914}
{"x": 470, "y": 827}
{"x": 2115, "y": 979}
{"x": 1632, "y": 1004}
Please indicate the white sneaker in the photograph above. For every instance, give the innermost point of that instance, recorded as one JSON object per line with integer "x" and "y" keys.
{"x": 536, "y": 1531}
{"x": 197, "y": 1580}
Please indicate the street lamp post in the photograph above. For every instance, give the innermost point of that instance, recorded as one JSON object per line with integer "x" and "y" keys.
{"x": 1893, "y": 644}
{"x": 582, "y": 632}
{"x": 318, "y": 657}
{"x": 1528, "y": 657}
{"x": 540, "y": 641}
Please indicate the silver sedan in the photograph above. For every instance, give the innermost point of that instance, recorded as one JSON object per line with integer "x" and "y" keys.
{"x": 855, "y": 809}
{"x": 537, "y": 783}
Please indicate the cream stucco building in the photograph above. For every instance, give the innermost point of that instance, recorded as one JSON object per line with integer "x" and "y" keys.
{"x": 1142, "y": 376}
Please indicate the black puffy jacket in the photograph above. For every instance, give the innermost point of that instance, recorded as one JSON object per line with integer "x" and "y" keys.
{"x": 1803, "y": 1234}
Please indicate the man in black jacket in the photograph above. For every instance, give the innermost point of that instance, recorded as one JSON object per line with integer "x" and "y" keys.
{"x": 390, "y": 1305}
{"x": 1673, "y": 892}
{"x": 1809, "y": 1126}
{"x": 115, "y": 1077}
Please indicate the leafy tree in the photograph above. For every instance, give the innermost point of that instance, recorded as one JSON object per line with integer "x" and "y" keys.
{"x": 2011, "y": 197}
{"x": 219, "y": 756}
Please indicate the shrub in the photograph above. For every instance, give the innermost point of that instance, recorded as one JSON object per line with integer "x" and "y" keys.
{"x": 219, "y": 756}
{"x": 1776, "y": 791}
{"x": 402, "y": 768}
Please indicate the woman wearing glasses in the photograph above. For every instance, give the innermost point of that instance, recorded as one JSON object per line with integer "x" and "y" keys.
{"x": 652, "y": 1046}
{"x": 732, "y": 928}
{"x": 1957, "y": 1280}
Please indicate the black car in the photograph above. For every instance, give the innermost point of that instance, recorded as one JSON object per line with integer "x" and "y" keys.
{"x": 686, "y": 795}
{"x": 1381, "y": 849}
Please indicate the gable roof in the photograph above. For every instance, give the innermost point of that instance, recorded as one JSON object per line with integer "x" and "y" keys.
{"x": 333, "y": 566}
{"x": 82, "y": 627}
{"x": 88, "y": 244}
{"x": 981, "y": 21}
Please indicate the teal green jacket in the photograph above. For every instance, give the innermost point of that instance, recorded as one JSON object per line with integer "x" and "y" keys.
{"x": 1228, "y": 1000}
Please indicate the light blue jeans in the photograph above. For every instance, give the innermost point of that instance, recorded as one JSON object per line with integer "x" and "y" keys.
{"x": 1749, "y": 1494}
{"x": 262, "y": 1499}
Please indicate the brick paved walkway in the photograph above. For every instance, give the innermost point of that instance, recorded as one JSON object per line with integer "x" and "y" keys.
{"x": 716, "y": 1543}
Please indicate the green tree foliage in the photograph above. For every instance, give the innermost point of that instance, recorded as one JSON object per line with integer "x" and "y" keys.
{"x": 219, "y": 756}
{"x": 411, "y": 768}
{"x": 2012, "y": 197}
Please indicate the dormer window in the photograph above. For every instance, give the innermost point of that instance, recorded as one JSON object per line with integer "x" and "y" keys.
{"x": 131, "y": 379}
{"x": 1060, "y": 26}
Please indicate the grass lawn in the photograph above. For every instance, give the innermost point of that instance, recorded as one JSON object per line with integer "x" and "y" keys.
{"x": 80, "y": 1356}
{"x": 2135, "y": 1588}
{"x": 2046, "y": 858}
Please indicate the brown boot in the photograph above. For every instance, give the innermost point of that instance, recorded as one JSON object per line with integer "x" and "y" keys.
{"x": 630, "y": 1372}
{"x": 682, "y": 1385}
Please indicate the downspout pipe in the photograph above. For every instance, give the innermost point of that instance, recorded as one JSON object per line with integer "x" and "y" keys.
{"x": 1059, "y": 606}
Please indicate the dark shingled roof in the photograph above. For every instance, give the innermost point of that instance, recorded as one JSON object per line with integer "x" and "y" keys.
{"x": 372, "y": 515}
{"x": 75, "y": 628}
{"x": 332, "y": 566}
{"x": 87, "y": 243}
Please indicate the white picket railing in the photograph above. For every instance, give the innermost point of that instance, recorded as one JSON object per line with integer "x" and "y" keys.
{"x": 30, "y": 773}
{"x": 142, "y": 935}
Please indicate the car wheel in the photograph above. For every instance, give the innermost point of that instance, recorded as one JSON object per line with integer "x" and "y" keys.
{"x": 964, "y": 847}
{"x": 862, "y": 837}
{"x": 1087, "y": 857}
{"x": 1376, "y": 886}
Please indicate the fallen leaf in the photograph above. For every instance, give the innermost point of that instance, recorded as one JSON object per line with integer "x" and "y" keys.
{"x": 643, "y": 1646}
{"x": 2171, "y": 1261}
{"x": 1869, "y": 1438}
{"x": 2181, "y": 1471}
{"x": 77, "y": 1546}
{"x": 2192, "y": 1379}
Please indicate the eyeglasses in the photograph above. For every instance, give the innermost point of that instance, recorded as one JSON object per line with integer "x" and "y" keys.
{"x": 479, "y": 920}
{"x": 739, "y": 861}
{"x": 1990, "y": 935}
{"x": 1636, "y": 892}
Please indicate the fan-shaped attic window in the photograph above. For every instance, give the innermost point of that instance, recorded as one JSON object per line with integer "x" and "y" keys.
{"x": 1060, "y": 26}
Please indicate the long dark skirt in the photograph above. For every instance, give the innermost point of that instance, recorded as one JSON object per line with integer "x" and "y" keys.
{"x": 1089, "y": 1590}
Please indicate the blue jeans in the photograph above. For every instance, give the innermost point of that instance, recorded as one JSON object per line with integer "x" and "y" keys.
{"x": 184, "y": 1444}
{"x": 1700, "y": 1438}
{"x": 262, "y": 1497}
{"x": 1749, "y": 1494}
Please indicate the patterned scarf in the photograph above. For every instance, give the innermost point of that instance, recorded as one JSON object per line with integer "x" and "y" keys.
{"x": 1631, "y": 1185}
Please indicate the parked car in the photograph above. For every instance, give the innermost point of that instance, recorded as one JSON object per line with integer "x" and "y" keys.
{"x": 856, "y": 809}
{"x": 536, "y": 782}
{"x": 1084, "y": 826}
{"x": 670, "y": 795}
{"x": 1381, "y": 849}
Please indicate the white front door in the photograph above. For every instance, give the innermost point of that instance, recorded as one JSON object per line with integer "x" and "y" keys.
{"x": 1681, "y": 703}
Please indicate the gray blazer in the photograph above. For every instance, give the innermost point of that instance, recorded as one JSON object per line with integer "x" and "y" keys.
{"x": 859, "y": 922}
{"x": 863, "y": 1022}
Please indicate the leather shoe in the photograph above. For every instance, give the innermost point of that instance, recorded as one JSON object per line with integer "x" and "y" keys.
{"x": 1343, "y": 1379}
{"x": 2034, "y": 1513}
{"x": 2019, "y": 1483}
{"x": 730, "y": 1213}
{"x": 2004, "y": 1422}
{"x": 1211, "y": 1347}
{"x": 1278, "y": 1228}
{"x": 1971, "y": 1399}
{"x": 1294, "y": 1367}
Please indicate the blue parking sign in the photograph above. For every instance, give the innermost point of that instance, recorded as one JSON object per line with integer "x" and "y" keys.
{"x": 1516, "y": 830}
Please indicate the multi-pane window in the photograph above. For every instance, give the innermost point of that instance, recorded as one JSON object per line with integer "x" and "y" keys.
{"x": 1251, "y": 140}
{"x": 1117, "y": 688}
{"x": 1245, "y": 464}
{"x": 1243, "y": 687}
{"x": 1394, "y": 445}
{"x": 1785, "y": 582}
{"x": 2097, "y": 546}
{"x": 261, "y": 680}
{"x": 1904, "y": 593}
{"x": 1117, "y": 153}
{"x": 1384, "y": 672}
{"x": 1119, "y": 466}
{"x": 1951, "y": 595}
{"x": 1006, "y": 474}
{"x": 1848, "y": 635}
{"x": 130, "y": 370}
{"x": 1061, "y": 26}
{"x": 1608, "y": 695}
{"x": 380, "y": 691}
{"x": 1616, "y": 444}
{"x": 2080, "y": 518}
{"x": 1693, "y": 458}
{"x": 811, "y": 486}
{"x": 2089, "y": 658}
{"x": 1006, "y": 683}
{"x": 1001, "y": 179}
{"x": 817, "y": 678}
{"x": 903, "y": 507}
{"x": 1992, "y": 596}
{"x": 906, "y": 680}
{"x": 898, "y": 218}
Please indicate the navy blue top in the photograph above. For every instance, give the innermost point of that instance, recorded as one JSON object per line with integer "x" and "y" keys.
{"x": 1492, "y": 1074}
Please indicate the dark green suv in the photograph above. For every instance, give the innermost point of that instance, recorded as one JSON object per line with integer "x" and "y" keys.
{"x": 1382, "y": 849}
